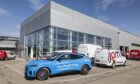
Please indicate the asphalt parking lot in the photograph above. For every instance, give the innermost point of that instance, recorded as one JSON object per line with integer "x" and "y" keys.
{"x": 12, "y": 72}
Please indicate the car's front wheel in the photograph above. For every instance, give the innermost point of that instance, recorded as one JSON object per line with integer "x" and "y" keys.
{"x": 43, "y": 74}
{"x": 84, "y": 70}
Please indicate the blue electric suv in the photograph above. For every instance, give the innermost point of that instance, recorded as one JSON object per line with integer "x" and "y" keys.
{"x": 58, "y": 63}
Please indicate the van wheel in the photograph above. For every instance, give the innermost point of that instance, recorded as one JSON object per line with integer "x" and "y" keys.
{"x": 113, "y": 65}
{"x": 98, "y": 65}
{"x": 43, "y": 74}
{"x": 84, "y": 70}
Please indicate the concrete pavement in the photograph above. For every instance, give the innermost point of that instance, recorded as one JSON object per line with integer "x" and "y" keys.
{"x": 12, "y": 72}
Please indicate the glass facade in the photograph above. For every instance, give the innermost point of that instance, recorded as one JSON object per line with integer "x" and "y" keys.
{"x": 61, "y": 39}
{"x": 90, "y": 39}
{"x": 108, "y": 43}
{"x": 45, "y": 39}
{"x": 38, "y": 41}
{"x": 77, "y": 38}
{"x": 99, "y": 40}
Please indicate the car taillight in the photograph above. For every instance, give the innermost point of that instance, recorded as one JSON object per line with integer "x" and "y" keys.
{"x": 74, "y": 51}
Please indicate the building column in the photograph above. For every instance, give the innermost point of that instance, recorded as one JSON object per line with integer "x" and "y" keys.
{"x": 32, "y": 51}
{"x": 95, "y": 40}
{"x": 85, "y": 38}
{"x": 24, "y": 52}
{"x": 51, "y": 38}
{"x": 70, "y": 39}
{"x": 104, "y": 43}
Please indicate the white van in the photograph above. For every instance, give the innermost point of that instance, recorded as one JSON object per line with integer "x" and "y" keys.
{"x": 62, "y": 51}
{"x": 88, "y": 49}
{"x": 109, "y": 58}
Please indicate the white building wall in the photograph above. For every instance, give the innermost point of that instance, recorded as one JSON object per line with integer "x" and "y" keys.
{"x": 69, "y": 19}
{"x": 38, "y": 20}
{"x": 57, "y": 15}
{"x": 126, "y": 39}
{"x": 7, "y": 44}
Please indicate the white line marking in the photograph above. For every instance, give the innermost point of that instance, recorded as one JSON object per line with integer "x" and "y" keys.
{"x": 21, "y": 59}
{"x": 12, "y": 68}
{"x": 70, "y": 79}
{"x": 90, "y": 75}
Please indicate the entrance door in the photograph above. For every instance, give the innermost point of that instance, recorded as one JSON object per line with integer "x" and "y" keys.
{"x": 29, "y": 51}
{"x": 34, "y": 51}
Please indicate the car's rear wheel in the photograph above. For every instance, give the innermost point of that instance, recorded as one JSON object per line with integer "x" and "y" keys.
{"x": 84, "y": 70}
{"x": 43, "y": 74}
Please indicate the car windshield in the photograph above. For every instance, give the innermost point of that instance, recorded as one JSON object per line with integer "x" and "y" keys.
{"x": 54, "y": 56}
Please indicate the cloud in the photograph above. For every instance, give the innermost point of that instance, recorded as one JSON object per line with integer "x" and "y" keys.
{"x": 106, "y": 4}
{"x": 125, "y": 3}
{"x": 36, "y": 4}
{"x": 103, "y": 5}
{"x": 3, "y": 12}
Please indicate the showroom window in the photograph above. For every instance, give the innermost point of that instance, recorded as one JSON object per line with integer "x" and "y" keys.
{"x": 99, "y": 40}
{"x": 74, "y": 45}
{"x": 62, "y": 34}
{"x": 39, "y": 41}
{"x": 74, "y": 36}
{"x": 108, "y": 44}
{"x": 90, "y": 39}
{"x": 61, "y": 39}
{"x": 62, "y": 45}
{"x": 77, "y": 38}
{"x": 46, "y": 42}
{"x": 80, "y": 37}
{"x": 122, "y": 48}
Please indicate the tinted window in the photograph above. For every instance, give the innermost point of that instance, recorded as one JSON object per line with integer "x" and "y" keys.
{"x": 64, "y": 57}
{"x": 73, "y": 56}
{"x": 54, "y": 56}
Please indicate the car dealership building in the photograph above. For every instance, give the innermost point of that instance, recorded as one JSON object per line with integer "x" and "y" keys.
{"x": 55, "y": 27}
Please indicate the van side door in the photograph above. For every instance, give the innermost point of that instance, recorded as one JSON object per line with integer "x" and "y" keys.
{"x": 118, "y": 58}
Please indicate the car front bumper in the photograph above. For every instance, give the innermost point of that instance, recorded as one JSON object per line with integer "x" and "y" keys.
{"x": 30, "y": 72}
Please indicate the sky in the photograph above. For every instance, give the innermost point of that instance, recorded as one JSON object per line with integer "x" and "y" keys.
{"x": 124, "y": 14}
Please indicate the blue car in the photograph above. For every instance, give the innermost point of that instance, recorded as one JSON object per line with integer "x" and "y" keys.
{"x": 58, "y": 63}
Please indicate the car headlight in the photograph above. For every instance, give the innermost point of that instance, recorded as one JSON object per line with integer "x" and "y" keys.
{"x": 32, "y": 65}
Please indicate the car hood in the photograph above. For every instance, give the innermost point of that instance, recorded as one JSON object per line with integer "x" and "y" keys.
{"x": 38, "y": 62}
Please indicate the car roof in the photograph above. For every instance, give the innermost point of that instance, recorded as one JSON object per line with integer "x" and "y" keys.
{"x": 72, "y": 53}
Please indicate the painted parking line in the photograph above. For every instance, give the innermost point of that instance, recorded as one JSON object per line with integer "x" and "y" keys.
{"x": 17, "y": 64}
{"x": 67, "y": 80}
{"x": 8, "y": 66}
{"x": 22, "y": 59}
